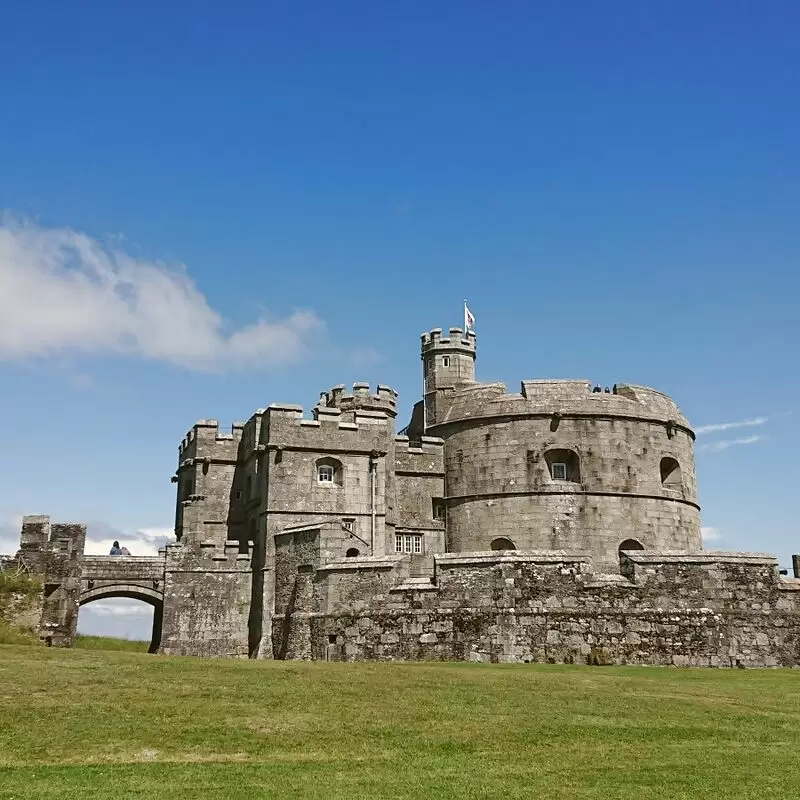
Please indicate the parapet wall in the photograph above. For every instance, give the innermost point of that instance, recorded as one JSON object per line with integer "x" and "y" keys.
{"x": 457, "y": 340}
{"x": 699, "y": 609}
{"x": 383, "y": 399}
{"x": 206, "y": 439}
{"x": 563, "y": 398}
{"x": 329, "y": 430}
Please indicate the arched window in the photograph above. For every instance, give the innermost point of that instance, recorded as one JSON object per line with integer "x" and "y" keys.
{"x": 631, "y": 544}
{"x": 503, "y": 544}
{"x": 671, "y": 476}
{"x": 563, "y": 465}
{"x": 329, "y": 471}
{"x": 352, "y": 553}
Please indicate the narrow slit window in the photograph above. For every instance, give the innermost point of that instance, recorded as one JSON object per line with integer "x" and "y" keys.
{"x": 445, "y": 361}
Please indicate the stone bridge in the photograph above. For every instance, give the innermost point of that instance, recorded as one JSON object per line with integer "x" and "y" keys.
{"x": 135, "y": 577}
{"x": 71, "y": 579}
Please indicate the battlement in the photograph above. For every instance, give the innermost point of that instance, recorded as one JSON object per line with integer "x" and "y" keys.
{"x": 563, "y": 398}
{"x": 429, "y": 445}
{"x": 617, "y": 399}
{"x": 383, "y": 399}
{"x": 457, "y": 341}
{"x": 206, "y": 431}
{"x": 324, "y": 416}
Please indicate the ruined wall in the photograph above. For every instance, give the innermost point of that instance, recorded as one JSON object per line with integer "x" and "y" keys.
{"x": 53, "y": 553}
{"x": 715, "y": 609}
{"x": 500, "y": 483}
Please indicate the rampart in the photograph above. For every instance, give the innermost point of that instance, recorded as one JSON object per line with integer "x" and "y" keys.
{"x": 689, "y": 609}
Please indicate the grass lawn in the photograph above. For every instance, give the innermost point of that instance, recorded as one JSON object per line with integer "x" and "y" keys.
{"x": 92, "y": 723}
{"x": 110, "y": 643}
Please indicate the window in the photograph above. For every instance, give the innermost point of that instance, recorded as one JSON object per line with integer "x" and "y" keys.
{"x": 445, "y": 361}
{"x": 408, "y": 543}
{"x": 671, "y": 477}
{"x": 329, "y": 472}
{"x": 439, "y": 508}
{"x": 352, "y": 553}
{"x": 348, "y": 525}
{"x": 503, "y": 544}
{"x": 238, "y": 495}
{"x": 631, "y": 544}
{"x": 563, "y": 465}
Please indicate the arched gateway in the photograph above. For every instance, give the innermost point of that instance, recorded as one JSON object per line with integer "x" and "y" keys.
{"x": 70, "y": 579}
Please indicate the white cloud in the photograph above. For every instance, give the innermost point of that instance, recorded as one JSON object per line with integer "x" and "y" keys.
{"x": 99, "y": 538}
{"x": 142, "y": 542}
{"x": 710, "y": 534}
{"x": 123, "y": 608}
{"x": 9, "y": 534}
{"x": 62, "y": 291}
{"x": 715, "y": 447}
{"x": 726, "y": 426}
{"x": 120, "y": 617}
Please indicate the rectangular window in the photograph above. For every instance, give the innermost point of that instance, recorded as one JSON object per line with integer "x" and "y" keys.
{"x": 348, "y": 525}
{"x": 445, "y": 361}
{"x": 325, "y": 474}
{"x": 559, "y": 471}
{"x": 408, "y": 543}
{"x": 238, "y": 495}
{"x": 439, "y": 509}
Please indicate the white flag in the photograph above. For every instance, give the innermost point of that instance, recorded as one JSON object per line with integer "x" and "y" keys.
{"x": 469, "y": 319}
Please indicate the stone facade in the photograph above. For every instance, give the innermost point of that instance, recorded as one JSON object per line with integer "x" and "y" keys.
{"x": 556, "y": 524}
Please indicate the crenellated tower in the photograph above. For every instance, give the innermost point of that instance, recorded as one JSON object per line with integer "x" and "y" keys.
{"x": 448, "y": 364}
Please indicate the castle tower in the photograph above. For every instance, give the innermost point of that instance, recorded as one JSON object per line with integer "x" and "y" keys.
{"x": 448, "y": 364}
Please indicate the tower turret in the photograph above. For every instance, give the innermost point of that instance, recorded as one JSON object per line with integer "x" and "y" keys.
{"x": 448, "y": 362}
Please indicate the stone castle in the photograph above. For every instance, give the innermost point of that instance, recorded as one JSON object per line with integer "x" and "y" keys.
{"x": 556, "y": 524}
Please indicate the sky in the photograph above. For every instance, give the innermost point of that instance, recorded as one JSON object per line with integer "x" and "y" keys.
{"x": 207, "y": 208}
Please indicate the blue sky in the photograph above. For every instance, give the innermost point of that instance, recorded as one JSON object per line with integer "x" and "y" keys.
{"x": 209, "y": 208}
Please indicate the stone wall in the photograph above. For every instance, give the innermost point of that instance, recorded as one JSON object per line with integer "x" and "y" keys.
{"x": 54, "y": 555}
{"x": 207, "y": 591}
{"x": 419, "y": 475}
{"x": 699, "y": 609}
{"x": 21, "y": 597}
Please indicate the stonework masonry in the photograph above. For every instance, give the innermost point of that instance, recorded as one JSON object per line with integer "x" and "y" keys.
{"x": 556, "y": 524}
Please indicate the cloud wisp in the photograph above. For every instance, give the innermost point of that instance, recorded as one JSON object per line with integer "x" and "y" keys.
{"x": 726, "y": 426}
{"x": 62, "y": 291}
{"x": 710, "y": 534}
{"x": 715, "y": 447}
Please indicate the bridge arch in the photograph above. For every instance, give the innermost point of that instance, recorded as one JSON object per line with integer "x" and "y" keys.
{"x": 153, "y": 597}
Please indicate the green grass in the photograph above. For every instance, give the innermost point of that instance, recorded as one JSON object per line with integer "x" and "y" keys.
{"x": 86, "y": 723}
{"x": 11, "y": 634}
{"x": 110, "y": 643}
